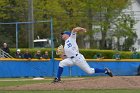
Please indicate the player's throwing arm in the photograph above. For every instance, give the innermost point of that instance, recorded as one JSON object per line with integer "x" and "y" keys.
{"x": 79, "y": 29}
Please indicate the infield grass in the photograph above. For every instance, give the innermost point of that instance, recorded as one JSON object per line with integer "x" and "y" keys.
{"x": 80, "y": 91}
{"x": 19, "y": 81}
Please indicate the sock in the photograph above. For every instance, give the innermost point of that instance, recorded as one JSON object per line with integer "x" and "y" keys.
{"x": 60, "y": 70}
{"x": 97, "y": 70}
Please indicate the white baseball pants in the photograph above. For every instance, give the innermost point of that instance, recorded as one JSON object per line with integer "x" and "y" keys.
{"x": 79, "y": 61}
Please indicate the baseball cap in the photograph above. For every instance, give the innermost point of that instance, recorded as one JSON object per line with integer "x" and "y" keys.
{"x": 66, "y": 32}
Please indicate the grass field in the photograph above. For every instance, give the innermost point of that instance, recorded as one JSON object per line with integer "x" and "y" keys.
{"x": 17, "y": 82}
{"x": 78, "y": 91}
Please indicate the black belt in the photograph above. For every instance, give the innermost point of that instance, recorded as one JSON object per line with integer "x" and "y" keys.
{"x": 73, "y": 56}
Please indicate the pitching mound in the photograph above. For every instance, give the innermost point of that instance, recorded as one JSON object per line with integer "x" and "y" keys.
{"x": 117, "y": 82}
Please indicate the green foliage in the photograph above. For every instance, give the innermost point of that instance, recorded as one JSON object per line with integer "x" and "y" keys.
{"x": 12, "y": 11}
{"x": 66, "y": 14}
{"x": 107, "y": 54}
{"x": 124, "y": 28}
{"x": 88, "y": 53}
{"x": 76, "y": 91}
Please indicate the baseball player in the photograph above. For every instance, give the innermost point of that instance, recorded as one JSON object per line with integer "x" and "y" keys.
{"x": 71, "y": 56}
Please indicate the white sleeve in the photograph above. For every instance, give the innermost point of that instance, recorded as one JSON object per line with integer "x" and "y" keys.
{"x": 73, "y": 35}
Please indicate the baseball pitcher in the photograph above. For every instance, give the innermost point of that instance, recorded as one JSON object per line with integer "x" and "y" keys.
{"x": 71, "y": 56}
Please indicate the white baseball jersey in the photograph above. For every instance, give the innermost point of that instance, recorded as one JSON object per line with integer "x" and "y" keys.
{"x": 73, "y": 56}
{"x": 70, "y": 47}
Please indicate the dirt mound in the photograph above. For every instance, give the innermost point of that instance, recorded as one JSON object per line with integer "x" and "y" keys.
{"x": 117, "y": 82}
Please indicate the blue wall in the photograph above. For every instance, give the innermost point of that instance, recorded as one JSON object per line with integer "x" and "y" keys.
{"x": 13, "y": 68}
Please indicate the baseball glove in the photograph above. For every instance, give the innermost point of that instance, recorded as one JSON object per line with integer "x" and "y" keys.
{"x": 60, "y": 50}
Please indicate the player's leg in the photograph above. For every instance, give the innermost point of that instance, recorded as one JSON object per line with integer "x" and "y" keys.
{"x": 65, "y": 62}
{"x": 81, "y": 62}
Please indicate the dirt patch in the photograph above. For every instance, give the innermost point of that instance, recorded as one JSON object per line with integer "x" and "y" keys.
{"x": 117, "y": 82}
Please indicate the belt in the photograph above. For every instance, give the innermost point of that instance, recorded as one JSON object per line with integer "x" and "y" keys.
{"x": 73, "y": 56}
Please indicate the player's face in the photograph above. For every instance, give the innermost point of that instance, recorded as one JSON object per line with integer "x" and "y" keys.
{"x": 65, "y": 36}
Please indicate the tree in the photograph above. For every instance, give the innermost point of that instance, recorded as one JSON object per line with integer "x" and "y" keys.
{"x": 102, "y": 12}
{"x": 66, "y": 14}
{"x": 8, "y": 14}
{"x": 124, "y": 28}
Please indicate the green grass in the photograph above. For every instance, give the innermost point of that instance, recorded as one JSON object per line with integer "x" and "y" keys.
{"x": 18, "y": 81}
{"x": 4, "y": 82}
{"x": 79, "y": 91}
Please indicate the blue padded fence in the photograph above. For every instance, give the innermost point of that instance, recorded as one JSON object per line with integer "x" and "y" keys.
{"x": 48, "y": 68}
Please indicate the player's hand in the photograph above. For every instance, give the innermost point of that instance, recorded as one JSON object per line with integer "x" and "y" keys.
{"x": 63, "y": 56}
{"x": 79, "y": 29}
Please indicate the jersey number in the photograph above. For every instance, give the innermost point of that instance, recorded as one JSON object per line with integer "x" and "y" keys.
{"x": 69, "y": 45}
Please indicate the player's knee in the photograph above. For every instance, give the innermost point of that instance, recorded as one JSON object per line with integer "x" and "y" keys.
{"x": 61, "y": 64}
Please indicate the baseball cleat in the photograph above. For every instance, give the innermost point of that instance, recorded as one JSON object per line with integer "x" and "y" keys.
{"x": 108, "y": 72}
{"x": 56, "y": 80}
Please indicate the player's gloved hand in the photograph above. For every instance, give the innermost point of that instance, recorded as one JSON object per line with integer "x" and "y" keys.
{"x": 60, "y": 50}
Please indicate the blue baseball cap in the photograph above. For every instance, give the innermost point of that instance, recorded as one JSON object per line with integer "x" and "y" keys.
{"x": 66, "y": 32}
